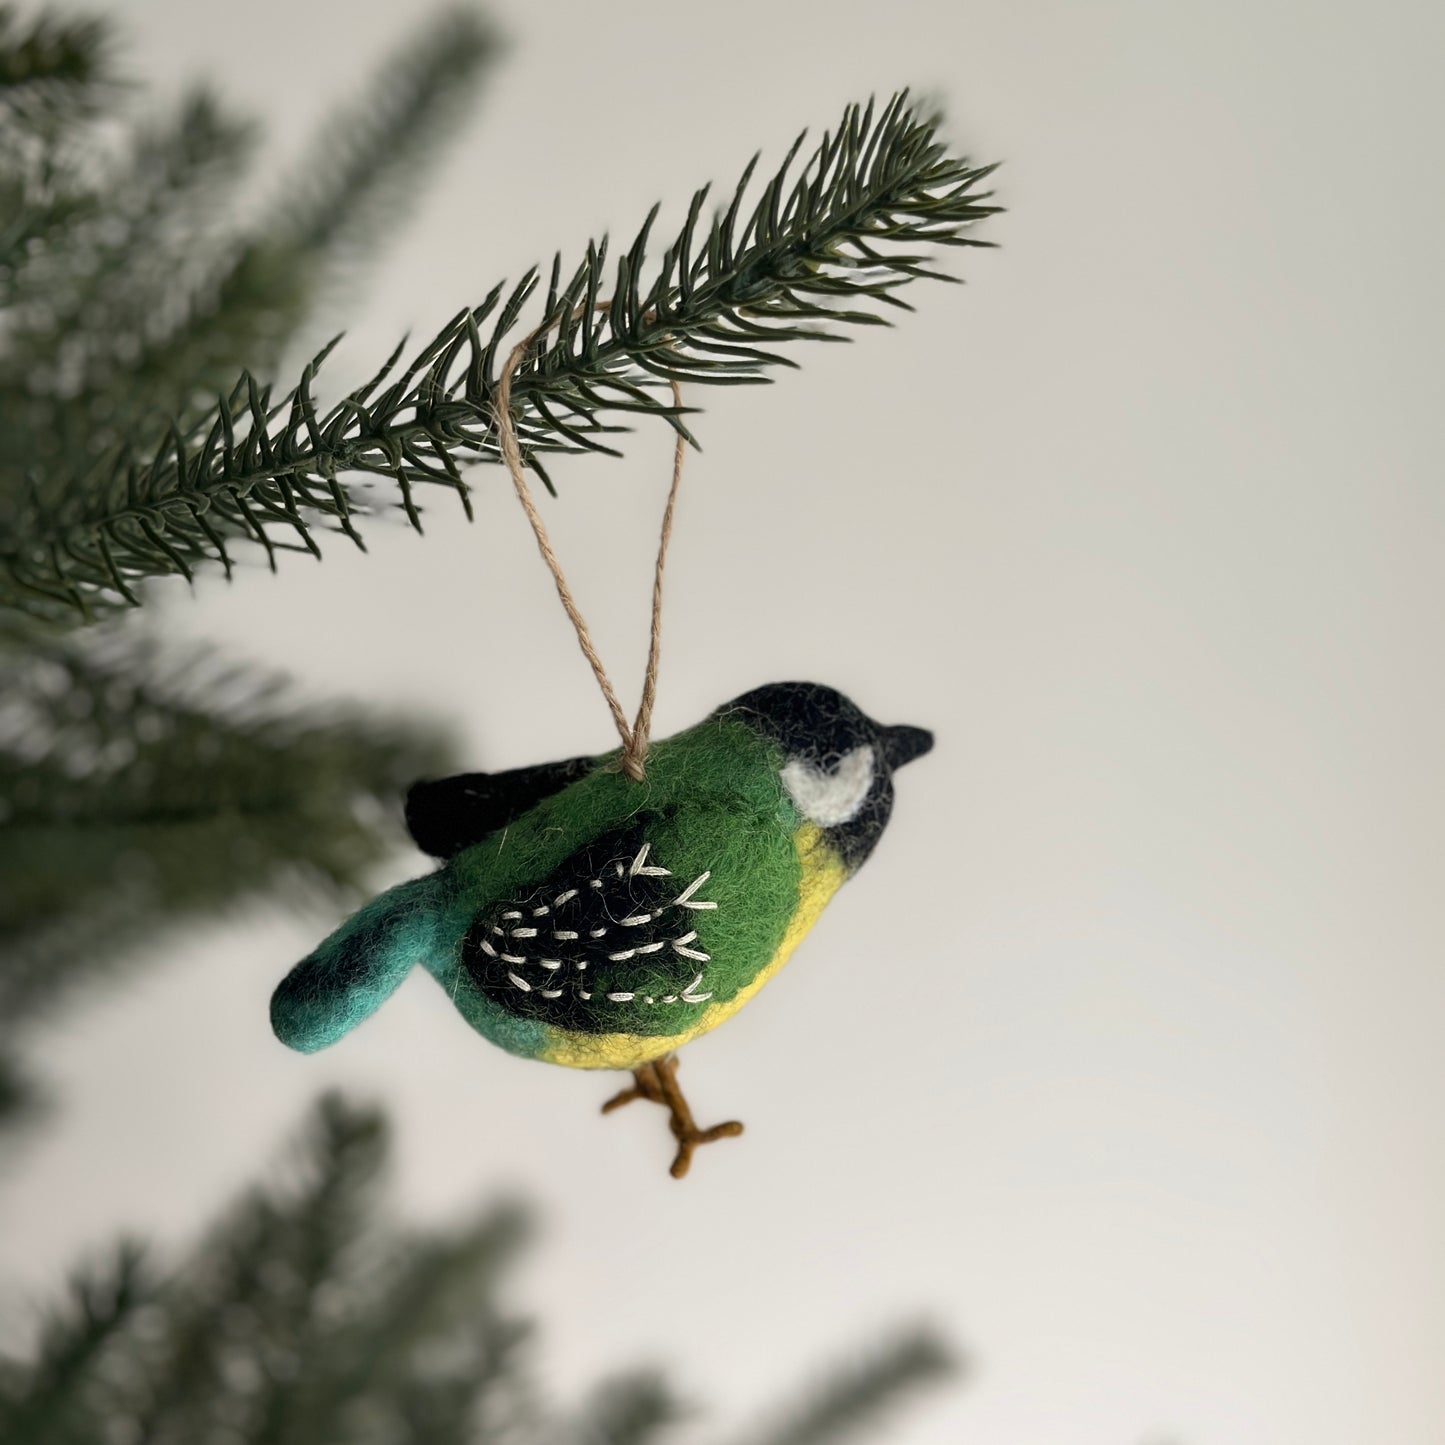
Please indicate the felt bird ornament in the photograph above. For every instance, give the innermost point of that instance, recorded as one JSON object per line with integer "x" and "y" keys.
{"x": 590, "y": 920}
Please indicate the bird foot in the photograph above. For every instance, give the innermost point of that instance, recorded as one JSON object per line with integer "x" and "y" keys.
{"x": 657, "y": 1082}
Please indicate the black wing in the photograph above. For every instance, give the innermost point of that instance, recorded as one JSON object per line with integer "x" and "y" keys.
{"x": 450, "y": 814}
{"x": 607, "y": 944}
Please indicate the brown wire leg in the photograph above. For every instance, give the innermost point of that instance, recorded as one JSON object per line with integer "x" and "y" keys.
{"x": 657, "y": 1082}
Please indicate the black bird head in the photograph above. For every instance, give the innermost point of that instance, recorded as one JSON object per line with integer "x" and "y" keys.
{"x": 838, "y": 763}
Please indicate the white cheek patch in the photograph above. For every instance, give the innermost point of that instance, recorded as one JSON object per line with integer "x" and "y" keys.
{"x": 830, "y": 797}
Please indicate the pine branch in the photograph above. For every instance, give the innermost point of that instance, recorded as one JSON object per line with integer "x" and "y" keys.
{"x": 137, "y": 791}
{"x": 333, "y": 211}
{"x": 19, "y": 1099}
{"x": 305, "y": 1318}
{"x": 824, "y": 246}
{"x": 51, "y": 68}
{"x": 423, "y": 1351}
{"x": 55, "y": 79}
{"x": 258, "y": 1334}
{"x": 112, "y": 272}
{"x": 328, "y": 1221}
{"x": 852, "y": 1401}
{"x": 253, "y": 1302}
{"x": 131, "y": 303}
{"x": 368, "y": 160}
{"x": 155, "y": 209}
{"x": 51, "y": 1402}
{"x": 430, "y": 1289}
{"x": 632, "y": 1409}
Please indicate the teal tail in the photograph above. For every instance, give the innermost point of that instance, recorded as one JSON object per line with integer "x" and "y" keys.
{"x": 358, "y": 968}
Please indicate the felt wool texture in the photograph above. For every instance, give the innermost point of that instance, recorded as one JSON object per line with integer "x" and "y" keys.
{"x": 586, "y": 919}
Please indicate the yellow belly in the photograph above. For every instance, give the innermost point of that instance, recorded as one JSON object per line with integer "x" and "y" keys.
{"x": 821, "y": 874}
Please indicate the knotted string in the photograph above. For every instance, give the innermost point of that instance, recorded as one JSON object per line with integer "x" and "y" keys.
{"x": 634, "y": 736}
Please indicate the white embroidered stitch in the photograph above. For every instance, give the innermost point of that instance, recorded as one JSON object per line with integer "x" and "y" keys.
{"x": 692, "y": 887}
{"x": 641, "y": 865}
{"x": 648, "y": 870}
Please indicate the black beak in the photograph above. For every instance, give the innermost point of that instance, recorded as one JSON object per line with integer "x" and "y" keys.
{"x": 903, "y": 744}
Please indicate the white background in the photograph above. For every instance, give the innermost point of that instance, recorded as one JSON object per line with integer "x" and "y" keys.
{"x": 1121, "y": 1058}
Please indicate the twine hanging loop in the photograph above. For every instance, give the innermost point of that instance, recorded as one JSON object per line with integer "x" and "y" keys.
{"x": 634, "y": 735}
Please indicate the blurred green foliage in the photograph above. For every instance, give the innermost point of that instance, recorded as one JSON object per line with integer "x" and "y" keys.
{"x": 140, "y": 790}
{"x": 305, "y": 1317}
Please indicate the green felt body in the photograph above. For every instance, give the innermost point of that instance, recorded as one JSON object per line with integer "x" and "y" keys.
{"x": 711, "y": 803}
